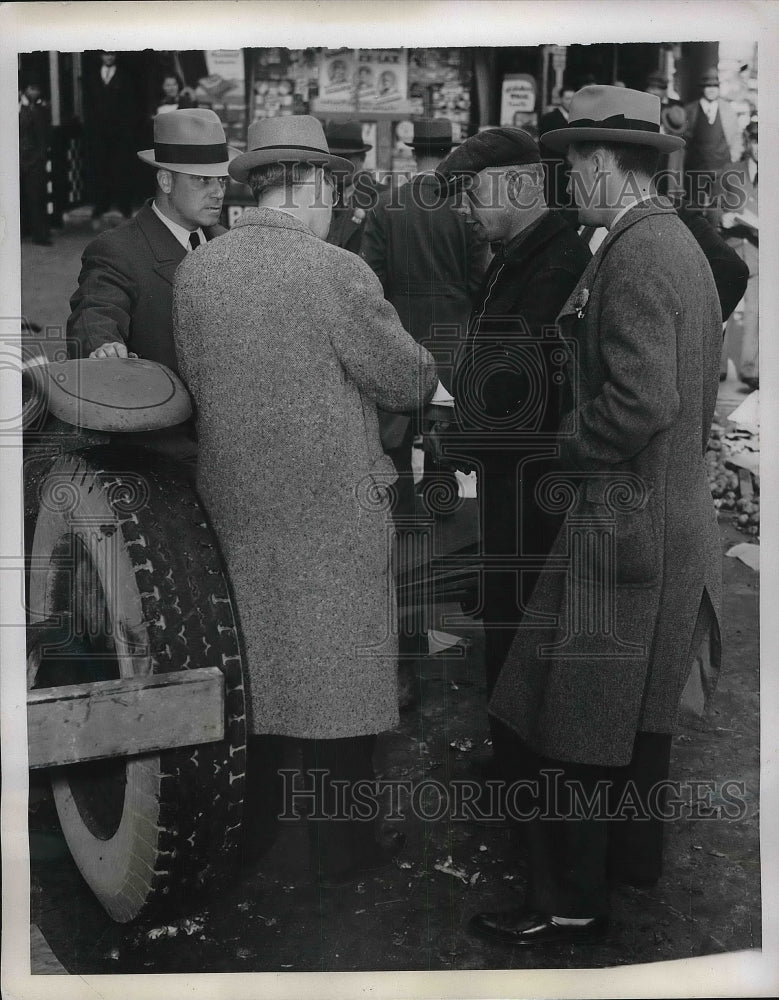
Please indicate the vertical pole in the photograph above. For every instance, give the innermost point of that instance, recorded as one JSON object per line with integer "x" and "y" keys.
{"x": 54, "y": 81}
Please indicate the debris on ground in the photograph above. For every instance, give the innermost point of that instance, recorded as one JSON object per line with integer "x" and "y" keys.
{"x": 447, "y": 867}
{"x": 465, "y": 745}
{"x": 748, "y": 553}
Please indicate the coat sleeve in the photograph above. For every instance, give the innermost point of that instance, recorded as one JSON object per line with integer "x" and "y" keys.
{"x": 103, "y": 304}
{"x": 730, "y": 272}
{"x": 373, "y": 249}
{"x": 637, "y": 330}
{"x": 384, "y": 361}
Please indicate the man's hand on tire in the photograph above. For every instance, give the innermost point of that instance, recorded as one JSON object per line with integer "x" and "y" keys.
{"x": 112, "y": 350}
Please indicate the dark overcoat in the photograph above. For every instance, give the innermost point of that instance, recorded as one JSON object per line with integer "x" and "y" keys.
{"x": 125, "y": 289}
{"x": 287, "y": 345}
{"x": 639, "y": 550}
{"x": 428, "y": 261}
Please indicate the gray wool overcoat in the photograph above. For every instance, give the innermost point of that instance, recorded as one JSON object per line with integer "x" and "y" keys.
{"x": 287, "y": 346}
{"x": 639, "y": 551}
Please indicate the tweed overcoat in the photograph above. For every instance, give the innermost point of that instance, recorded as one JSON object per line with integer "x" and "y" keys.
{"x": 287, "y": 345}
{"x": 639, "y": 551}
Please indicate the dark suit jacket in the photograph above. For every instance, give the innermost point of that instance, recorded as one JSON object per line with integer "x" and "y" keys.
{"x": 555, "y": 165}
{"x": 506, "y": 377}
{"x": 730, "y": 272}
{"x": 111, "y": 107}
{"x": 125, "y": 289}
{"x": 427, "y": 259}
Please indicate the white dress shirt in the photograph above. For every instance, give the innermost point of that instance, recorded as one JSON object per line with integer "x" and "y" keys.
{"x": 181, "y": 234}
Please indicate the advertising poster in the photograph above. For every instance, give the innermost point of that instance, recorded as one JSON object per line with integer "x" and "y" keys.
{"x": 518, "y": 99}
{"x": 336, "y": 76}
{"x": 382, "y": 80}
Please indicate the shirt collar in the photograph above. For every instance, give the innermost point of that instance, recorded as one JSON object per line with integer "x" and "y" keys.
{"x": 627, "y": 208}
{"x": 181, "y": 234}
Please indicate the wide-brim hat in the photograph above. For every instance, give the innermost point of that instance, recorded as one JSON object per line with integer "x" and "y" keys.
{"x": 189, "y": 141}
{"x": 674, "y": 119}
{"x": 432, "y": 134}
{"x": 345, "y": 137}
{"x": 613, "y": 114}
{"x": 286, "y": 139}
{"x": 710, "y": 78}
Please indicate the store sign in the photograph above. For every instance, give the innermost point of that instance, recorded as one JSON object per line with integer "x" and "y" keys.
{"x": 518, "y": 98}
{"x": 382, "y": 79}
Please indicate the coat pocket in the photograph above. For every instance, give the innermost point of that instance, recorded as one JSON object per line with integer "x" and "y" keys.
{"x": 624, "y": 538}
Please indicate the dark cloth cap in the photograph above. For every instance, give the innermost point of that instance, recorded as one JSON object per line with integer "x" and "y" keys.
{"x": 494, "y": 147}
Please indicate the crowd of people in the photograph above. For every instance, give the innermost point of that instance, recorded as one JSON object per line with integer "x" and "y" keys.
{"x": 571, "y": 357}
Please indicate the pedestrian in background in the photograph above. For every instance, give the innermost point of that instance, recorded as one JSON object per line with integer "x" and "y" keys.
{"x": 358, "y": 188}
{"x": 740, "y": 226}
{"x": 713, "y": 141}
{"x": 174, "y": 96}
{"x": 34, "y": 129}
{"x": 111, "y": 115}
{"x": 556, "y": 188}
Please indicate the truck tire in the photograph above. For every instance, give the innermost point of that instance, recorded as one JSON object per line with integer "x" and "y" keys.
{"x": 126, "y": 566}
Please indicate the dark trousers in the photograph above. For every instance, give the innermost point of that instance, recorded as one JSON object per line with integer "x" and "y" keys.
{"x": 32, "y": 179}
{"x": 573, "y": 860}
{"x": 112, "y": 160}
{"x": 515, "y": 531}
{"x": 336, "y": 841}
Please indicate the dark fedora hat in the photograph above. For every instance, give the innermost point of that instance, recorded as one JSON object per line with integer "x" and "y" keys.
{"x": 345, "y": 138}
{"x": 710, "y": 78}
{"x": 613, "y": 114}
{"x": 432, "y": 133}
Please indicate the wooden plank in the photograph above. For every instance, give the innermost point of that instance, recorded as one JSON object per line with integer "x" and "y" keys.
{"x": 119, "y": 718}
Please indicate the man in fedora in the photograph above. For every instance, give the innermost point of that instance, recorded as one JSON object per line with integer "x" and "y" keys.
{"x": 123, "y": 304}
{"x": 358, "y": 189}
{"x": 288, "y": 346}
{"x": 504, "y": 384}
{"x": 713, "y": 141}
{"x": 672, "y": 122}
{"x": 594, "y": 679}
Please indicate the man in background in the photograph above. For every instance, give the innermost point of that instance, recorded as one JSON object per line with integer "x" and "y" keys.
{"x": 111, "y": 113}
{"x": 713, "y": 141}
{"x": 556, "y": 187}
{"x": 34, "y": 126}
{"x": 740, "y": 226}
{"x": 358, "y": 189}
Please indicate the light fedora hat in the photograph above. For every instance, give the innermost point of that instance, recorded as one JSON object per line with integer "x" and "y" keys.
{"x": 189, "y": 141}
{"x": 286, "y": 139}
{"x": 613, "y": 114}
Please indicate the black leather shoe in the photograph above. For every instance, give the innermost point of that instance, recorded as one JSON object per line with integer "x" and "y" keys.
{"x": 378, "y": 856}
{"x": 520, "y": 926}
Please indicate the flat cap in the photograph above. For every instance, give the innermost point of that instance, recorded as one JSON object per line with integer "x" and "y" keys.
{"x": 494, "y": 147}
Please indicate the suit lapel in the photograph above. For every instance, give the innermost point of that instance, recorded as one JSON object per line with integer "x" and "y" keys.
{"x": 168, "y": 252}
{"x": 577, "y": 300}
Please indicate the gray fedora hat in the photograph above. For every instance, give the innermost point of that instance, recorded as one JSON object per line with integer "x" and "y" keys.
{"x": 189, "y": 141}
{"x": 613, "y": 114}
{"x": 286, "y": 139}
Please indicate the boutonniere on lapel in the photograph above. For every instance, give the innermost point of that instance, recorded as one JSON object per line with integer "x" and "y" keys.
{"x": 580, "y": 302}
{"x": 359, "y": 216}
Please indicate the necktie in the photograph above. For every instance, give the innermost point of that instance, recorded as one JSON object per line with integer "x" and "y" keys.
{"x": 194, "y": 240}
